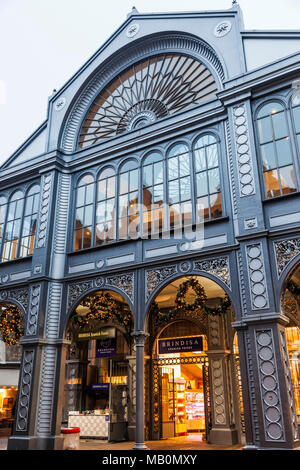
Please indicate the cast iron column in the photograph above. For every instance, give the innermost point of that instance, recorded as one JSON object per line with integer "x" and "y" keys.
{"x": 139, "y": 337}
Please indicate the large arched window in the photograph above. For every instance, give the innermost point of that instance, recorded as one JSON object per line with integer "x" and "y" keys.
{"x": 148, "y": 90}
{"x": 129, "y": 200}
{"x": 3, "y": 208}
{"x": 296, "y": 116}
{"x": 13, "y": 226}
{"x": 153, "y": 193}
{"x": 83, "y": 229}
{"x": 275, "y": 149}
{"x": 30, "y": 221}
{"x": 208, "y": 187}
{"x": 179, "y": 186}
{"x": 106, "y": 207}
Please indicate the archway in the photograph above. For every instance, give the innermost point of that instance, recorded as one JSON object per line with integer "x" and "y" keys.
{"x": 11, "y": 331}
{"x": 98, "y": 375}
{"x": 192, "y": 363}
{"x": 290, "y": 304}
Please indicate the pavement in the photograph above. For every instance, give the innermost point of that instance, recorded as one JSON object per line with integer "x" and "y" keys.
{"x": 191, "y": 442}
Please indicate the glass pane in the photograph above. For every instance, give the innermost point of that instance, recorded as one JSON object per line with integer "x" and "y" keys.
{"x": 212, "y": 156}
{"x": 100, "y": 212}
{"x": 185, "y": 188}
{"x": 159, "y": 194}
{"x": 100, "y": 234}
{"x": 202, "y": 208}
{"x": 89, "y": 194}
{"x": 173, "y": 192}
{"x": 284, "y": 152}
{"x": 200, "y": 161}
{"x": 172, "y": 168}
{"x": 79, "y": 218}
{"x": 111, "y": 184}
{"x": 123, "y": 229}
{"x": 131, "y": 165}
{"x": 174, "y": 215}
{"x": 29, "y": 205}
{"x": 87, "y": 237}
{"x": 110, "y": 209}
{"x": 152, "y": 158}
{"x": 133, "y": 203}
{"x": 270, "y": 108}
{"x": 88, "y": 216}
{"x": 11, "y": 211}
{"x": 9, "y": 230}
{"x": 147, "y": 198}
{"x": 147, "y": 176}
{"x": 86, "y": 180}
{"x": 2, "y": 200}
{"x": 215, "y": 206}
{"x": 178, "y": 150}
{"x": 33, "y": 226}
{"x": 201, "y": 179}
{"x": 265, "y": 130}
{"x": 16, "y": 229}
{"x": 133, "y": 227}
{"x": 19, "y": 208}
{"x": 279, "y": 125}
{"x": 134, "y": 180}
{"x": 214, "y": 180}
{"x": 2, "y": 213}
{"x": 296, "y": 114}
{"x": 205, "y": 140}
{"x": 158, "y": 173}
{"x": 268, "y": 156}
{"x": 108, "y": 172}
{"x": 287, "y": 179}
{"x": 17, "y": 195}
{"x": 26, "y": 226}
{"x": 157, "y": 223}
{"x": 186, "y": 213}
{"x": 272, "y": 184}
{"x": 101, "y": 190}
{"x": 77, "y": 239}
{"x": 184, "y": 164}
{"x": 36, "y": 203}
{"x": 124, "y": 183}
{"x": 123, "y": 203}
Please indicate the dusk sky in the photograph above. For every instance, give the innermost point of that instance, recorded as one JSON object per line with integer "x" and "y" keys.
{"x": 44, "y": 42}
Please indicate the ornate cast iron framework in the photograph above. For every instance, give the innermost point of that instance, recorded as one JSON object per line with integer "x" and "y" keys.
{"x": 151, "y": 89}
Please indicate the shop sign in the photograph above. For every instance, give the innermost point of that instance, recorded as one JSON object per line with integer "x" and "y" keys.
{"x": 106, "y": 347}
{"x": 99, "y": 387}
{"x": 104, "y": 333}
{"x": 178, "y": 345}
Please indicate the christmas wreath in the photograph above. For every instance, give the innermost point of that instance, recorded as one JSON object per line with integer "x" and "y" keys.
{"x": 11, "y": 324}
{"x": 199, "y": 303}
{"x": 104, "y": 308}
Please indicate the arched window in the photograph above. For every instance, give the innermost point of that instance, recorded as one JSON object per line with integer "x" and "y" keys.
{"x": 179, "y": 186}
{"x": 296, "y": 116}
{"x": 3, "y": 207}
{"x": 208, "y": 187}
{"x": 128, "y": 200}
{"x": 13, "y": 226}
{"x": 153, "y": 193}
{"x": 105, "y": 210}
{"x": 83, "y": 228}
{"x": 275, "y": 149}
{"x": 30, "y": 221}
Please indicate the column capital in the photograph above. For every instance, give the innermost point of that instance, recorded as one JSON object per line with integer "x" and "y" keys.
{"x": 139, "y": 337}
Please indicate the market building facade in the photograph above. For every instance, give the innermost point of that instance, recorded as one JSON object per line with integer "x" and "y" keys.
{"x": 150, "y": 242}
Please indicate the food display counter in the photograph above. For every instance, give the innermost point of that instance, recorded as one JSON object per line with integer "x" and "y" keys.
{"x": 91, "y": 425}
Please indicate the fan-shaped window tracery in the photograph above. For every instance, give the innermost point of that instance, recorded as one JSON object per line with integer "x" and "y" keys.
{"x": 146, "y": 91}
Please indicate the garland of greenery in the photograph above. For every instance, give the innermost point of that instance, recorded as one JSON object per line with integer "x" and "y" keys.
{"x": 11, "y": 324}
{"x": 104, "y": 308}
{"x": 182, "y": 306}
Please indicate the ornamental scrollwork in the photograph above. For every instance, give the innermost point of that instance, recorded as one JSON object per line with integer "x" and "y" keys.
{"x": 123, "y": 282}
{"x": 218, "y": 267}
{"x": 18, "y": 295}
{"x": 76, "y": 290}
{"x": 154, "y": 277}
{"x": 286, "y": 251}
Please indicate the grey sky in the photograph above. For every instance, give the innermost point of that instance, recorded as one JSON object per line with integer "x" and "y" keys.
{"x": 43, "y": 42}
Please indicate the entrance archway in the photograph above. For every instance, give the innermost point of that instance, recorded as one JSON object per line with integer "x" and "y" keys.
{"x": 98, "y": 374}
{"x": 11, "y": 331}
{"x": 290, "y": 303}
{"x": 193, "y": 375}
